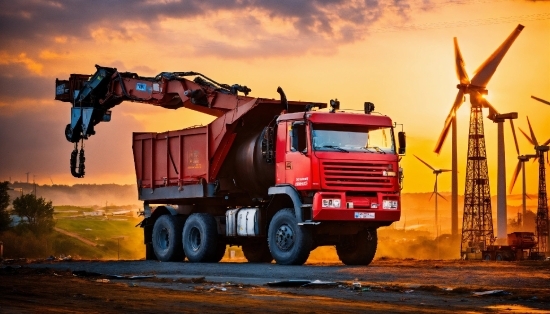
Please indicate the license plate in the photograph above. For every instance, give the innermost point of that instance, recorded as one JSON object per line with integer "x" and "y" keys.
{"x": 361, "y": 215}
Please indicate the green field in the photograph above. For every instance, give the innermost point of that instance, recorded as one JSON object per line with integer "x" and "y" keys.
{"x": 113, "y": 236}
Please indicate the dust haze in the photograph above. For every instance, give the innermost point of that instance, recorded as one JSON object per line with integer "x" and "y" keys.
{"x": 413, "y": 237}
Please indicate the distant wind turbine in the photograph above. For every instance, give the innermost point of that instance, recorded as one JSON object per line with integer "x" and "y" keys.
{"x": 437, "y": 172}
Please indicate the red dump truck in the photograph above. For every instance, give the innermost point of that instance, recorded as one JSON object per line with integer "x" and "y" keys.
{"x": 276, "y": 177}
{"x": 520, "y": 245}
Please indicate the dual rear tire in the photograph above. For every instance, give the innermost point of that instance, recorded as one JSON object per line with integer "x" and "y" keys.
{"x": 201, "y": 241}
{"x": 167, "y": 245}
{"x": 197, "y": 239}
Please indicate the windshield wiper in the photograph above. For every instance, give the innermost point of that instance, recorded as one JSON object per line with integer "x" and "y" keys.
{"x": 378, "y": 149}
{"x": 367, "y": 149}
{"x": 336, "y": 147}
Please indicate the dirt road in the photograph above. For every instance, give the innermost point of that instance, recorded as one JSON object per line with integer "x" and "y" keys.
{"x": 400, "y": 286}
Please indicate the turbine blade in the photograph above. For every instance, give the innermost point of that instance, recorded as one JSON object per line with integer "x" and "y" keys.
{"x": 487, "y": 69}
{"x": 529, "y": 197}
{"x": 445, "y": 170}
{"x": 514, "y": 177}
{"x": 459, "y": 62}
{"x": 541, "y": 100}
{"x": 526, "y": 136}
{"x": 443, "y": 197}
{"x": 447, "y": 126}
{"x": 514, "y": 133}
{"x": 532, "y": 133}
{"x": 546, "y": 143}
{"x": 431, "y": 196}
{"x": 424, "y": 162}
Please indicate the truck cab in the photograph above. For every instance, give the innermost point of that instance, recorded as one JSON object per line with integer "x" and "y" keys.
{"x": 346, "y": 163}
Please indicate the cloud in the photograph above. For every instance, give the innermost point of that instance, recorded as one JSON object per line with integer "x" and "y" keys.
{"x": 47, "y": 23}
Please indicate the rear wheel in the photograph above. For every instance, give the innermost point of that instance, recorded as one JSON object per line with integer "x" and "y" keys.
{"x": 257, "y": 252}
{"x": 487, "y": 257}
{"x": 289, "y": 243}
{"x": 167, "y": 244}
{"x": 499, "y": 257}
{"x": 200, "y": 239}
{"x": 360, "y": 249}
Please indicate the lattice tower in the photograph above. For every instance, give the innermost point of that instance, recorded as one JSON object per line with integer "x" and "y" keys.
{"x": 477, "y": 224}
{"x": 542, "y": 230}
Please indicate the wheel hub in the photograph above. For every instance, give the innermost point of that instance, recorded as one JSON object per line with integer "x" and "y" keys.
{"x": 164, "y": 239}
{"x": 284, "y": 237}
{"x": 195, "y": 239}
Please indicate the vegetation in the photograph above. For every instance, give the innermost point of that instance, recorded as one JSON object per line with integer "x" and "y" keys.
{"x": 4, "y": 203}
{"x": 102, "y": 237}
{"x": 38, "y": 213}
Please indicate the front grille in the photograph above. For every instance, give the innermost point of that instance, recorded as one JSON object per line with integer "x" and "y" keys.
{"x": 340, "y": 175}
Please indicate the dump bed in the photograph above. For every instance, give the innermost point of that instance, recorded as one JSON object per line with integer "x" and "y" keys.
{"x": 173, "y": 158}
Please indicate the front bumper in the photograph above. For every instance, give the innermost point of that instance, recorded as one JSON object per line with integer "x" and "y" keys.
{"x": 338, "y": 206}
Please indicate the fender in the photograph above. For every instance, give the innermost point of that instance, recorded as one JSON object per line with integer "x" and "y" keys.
{"x": 164, "y": 210}
{"x": 291, "y": 192}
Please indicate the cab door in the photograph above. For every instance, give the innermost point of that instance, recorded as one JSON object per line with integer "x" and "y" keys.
{"x": 297, "y": 165}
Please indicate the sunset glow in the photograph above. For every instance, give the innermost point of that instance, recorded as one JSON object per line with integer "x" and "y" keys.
{"x": 396, "y": 54}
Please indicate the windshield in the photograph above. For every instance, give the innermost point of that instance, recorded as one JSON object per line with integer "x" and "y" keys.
{"x": 352, "y": 138}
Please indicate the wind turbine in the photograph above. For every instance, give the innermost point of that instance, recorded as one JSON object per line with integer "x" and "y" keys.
{"x": 437, "y": 172}
{"x": 475, "y": 88}
{"x": 520, "y": 166}
{"x": 542, "y": 229}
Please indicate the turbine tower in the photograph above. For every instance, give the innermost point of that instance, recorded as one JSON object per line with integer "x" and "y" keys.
{"x": 502, "y": 215}
{"x": 477, "y": 229}
{"x": 437, "y": 172}
{"x": 542, "y": 224}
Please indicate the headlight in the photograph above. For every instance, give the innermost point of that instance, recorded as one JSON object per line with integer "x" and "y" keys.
{"x": 389, "y": 204}
{"x": 331, "y": 202}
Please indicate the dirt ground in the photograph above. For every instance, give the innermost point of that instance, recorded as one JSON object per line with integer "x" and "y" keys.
{"x": 387, "y": 285}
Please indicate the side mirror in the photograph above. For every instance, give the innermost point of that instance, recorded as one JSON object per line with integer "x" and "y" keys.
{"x": 402, "y": 142}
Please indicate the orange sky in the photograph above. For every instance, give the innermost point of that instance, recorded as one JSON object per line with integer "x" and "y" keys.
{"x": 396, "y": 54}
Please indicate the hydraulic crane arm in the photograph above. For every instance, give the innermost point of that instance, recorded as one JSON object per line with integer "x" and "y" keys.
{"x": 92, "y": 97}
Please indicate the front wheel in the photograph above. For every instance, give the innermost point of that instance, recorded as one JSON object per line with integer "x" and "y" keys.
{"x": 167, "y": 239}
{"x": 360, "y": 249}
{"x": 289, "y": 243}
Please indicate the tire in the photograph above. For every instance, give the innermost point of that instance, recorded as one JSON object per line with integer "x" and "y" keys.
{"x": 361, "y": 250}
{"x": 200, "y": 239}
{"x": 499, "y": 257}
{"x": 487, "y": 257}
{"x": 167, "y": 244}
{"x": 150, "y": 252}
{"x": 289, "y": 243}
{"x": 257, "y": 252}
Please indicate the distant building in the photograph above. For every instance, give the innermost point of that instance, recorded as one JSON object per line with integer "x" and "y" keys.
{"x": 95, "y": 213}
